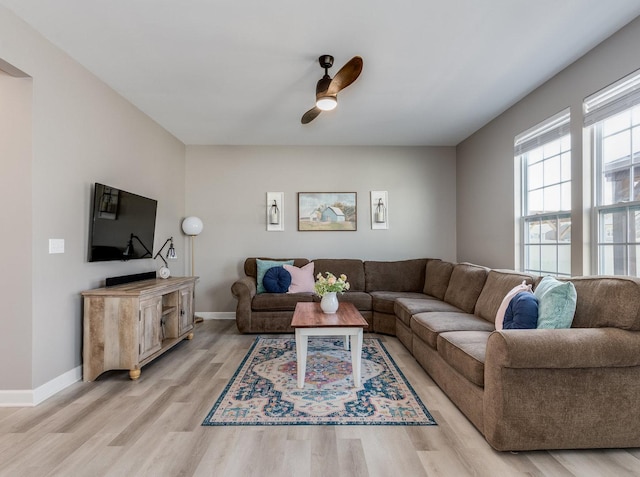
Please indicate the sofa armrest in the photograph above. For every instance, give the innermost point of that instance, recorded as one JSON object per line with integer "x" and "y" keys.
{"x": 570, "y": 348}
{"x": 244, "y": 290}
{"x": 562, "y": 389}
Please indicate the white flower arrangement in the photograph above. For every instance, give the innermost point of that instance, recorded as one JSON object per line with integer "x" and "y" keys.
{"x": 330, "y": 283}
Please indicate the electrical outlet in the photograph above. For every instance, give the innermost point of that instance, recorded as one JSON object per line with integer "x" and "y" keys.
{"x": 56, "y": 245}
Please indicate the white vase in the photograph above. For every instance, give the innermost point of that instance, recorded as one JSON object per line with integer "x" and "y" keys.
{"x": 329, "y": 303}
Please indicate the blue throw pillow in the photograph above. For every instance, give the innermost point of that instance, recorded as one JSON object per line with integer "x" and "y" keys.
{"x": 277, "y": 280}
{"x": 522, "y": 312}
{"x": 263, "y": 266}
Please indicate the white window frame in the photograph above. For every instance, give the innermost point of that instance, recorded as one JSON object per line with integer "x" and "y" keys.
{"x": 552, "y": 129}
{"x": 610, "y": 101}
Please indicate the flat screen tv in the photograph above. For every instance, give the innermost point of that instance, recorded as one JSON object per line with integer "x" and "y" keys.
{"x": 122, "y": 225}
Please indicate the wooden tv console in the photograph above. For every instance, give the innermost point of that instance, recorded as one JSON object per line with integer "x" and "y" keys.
{"x": 126, "y": 326}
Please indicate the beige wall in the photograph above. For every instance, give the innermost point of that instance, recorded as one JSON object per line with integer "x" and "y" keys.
{"x": 485, "y": 174}
{"x": 15, "y": 216}
{"x": 82, "y": 132}
{"x": 227, "y": 186}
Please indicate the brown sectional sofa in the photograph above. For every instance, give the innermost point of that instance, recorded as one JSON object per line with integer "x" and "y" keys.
{"x": 523, "y": 389}
{"x": 374, "y": 288}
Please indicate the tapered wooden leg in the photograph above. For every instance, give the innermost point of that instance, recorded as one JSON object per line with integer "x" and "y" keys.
{"x": 134, "y": 374}
{"x": 190, "y": 336}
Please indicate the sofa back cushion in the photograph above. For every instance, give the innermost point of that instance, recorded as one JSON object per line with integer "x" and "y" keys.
{"x": 465, "y": 286}
{"x": 251, "y": 267}
{"x": 398, "y": 276}
{"x": 438, "y": 274}
{"x": 607, "y": 301}
{"x": 353, "y": 269}
{"x": 498, "y": 284}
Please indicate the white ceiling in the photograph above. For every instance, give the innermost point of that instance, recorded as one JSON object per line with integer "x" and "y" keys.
{"x": 242, "y": 72}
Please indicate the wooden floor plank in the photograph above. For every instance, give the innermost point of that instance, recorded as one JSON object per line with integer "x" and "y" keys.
{"x": 117, "y": 427}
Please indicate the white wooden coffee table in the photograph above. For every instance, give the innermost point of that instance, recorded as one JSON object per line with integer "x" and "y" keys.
{"x": 309, "y": 320}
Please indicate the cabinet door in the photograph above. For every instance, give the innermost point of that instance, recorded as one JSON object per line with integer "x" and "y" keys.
{"x": 185, "y": 322}
{"x": 150, "y": 331}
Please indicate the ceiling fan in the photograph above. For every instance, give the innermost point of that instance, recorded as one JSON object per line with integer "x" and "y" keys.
{"x": 327, "y": 89}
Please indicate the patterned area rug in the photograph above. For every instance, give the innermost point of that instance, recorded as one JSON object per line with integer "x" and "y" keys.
{"x": 263, "y": 390}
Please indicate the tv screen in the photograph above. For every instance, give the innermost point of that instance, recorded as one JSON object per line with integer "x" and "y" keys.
{"x": 122, "y": 225}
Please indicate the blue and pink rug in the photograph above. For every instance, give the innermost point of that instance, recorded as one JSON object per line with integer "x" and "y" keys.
{"x": 263, "y": 390}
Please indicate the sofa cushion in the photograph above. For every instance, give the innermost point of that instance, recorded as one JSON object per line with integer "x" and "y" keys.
{"x": 465, "y": 352}
{"x": 427, "y": 326}
{"x": 620, "y": 309}
{"x": 384, "y": 301}
{"x": 398, "y": 276}
{"x": 353, "y": 269}
{"x": 278, "y": 301}
{"x": 263, "y": 267}
{"x": 361, "y": 300}
{"x": 557, "y": 303}
{"x": 302, "y": 278}
{"x": 465, "y": 286}
{"x": 276, "y": 280}
{"x": 437, "y": 276}
{"x": 405, "y": 307}
{"x": 496, "y": 287}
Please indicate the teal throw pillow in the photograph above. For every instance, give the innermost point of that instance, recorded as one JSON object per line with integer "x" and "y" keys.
{"x": 263, "y": 266}
{"x": 556, "y": 303}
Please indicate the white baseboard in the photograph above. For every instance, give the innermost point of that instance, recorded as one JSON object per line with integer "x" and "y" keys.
{"x": 216, "y": 315}
{"x": 56, "y": 385}
{"x": 33, "y": 397}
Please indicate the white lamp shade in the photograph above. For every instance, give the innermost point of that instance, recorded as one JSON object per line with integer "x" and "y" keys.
{"x": 192, "y": 226}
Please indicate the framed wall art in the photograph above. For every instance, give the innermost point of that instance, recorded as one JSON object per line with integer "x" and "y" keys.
{"x": 327, "y": 211}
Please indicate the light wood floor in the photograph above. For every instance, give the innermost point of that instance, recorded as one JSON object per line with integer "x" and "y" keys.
{"x": 151, "y": 427}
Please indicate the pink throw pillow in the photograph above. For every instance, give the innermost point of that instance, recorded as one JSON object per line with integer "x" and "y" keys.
{"x": 302, "y": 279}
{"x": 507, "y": 299}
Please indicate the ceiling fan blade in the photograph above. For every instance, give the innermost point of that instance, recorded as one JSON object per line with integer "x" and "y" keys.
{"x": 347, "y": 75}
{"x": 310, "y": 115}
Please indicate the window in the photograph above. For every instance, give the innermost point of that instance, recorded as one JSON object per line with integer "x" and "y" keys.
{"x": 613, "y": 115}
{"x": 544, "y": 153}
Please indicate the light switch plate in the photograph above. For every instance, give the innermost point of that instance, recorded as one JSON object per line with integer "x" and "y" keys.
{"x": 56, "y": 245}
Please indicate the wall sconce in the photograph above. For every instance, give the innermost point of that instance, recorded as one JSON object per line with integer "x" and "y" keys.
{"x": 274, "y": 214}
{"x": 275, "y": 211}
{"x": 379, "y": 210}
{"x": 171, "y": 255}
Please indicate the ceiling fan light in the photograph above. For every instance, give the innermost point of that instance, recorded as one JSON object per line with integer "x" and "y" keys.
{"x": 326, "y": 103}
